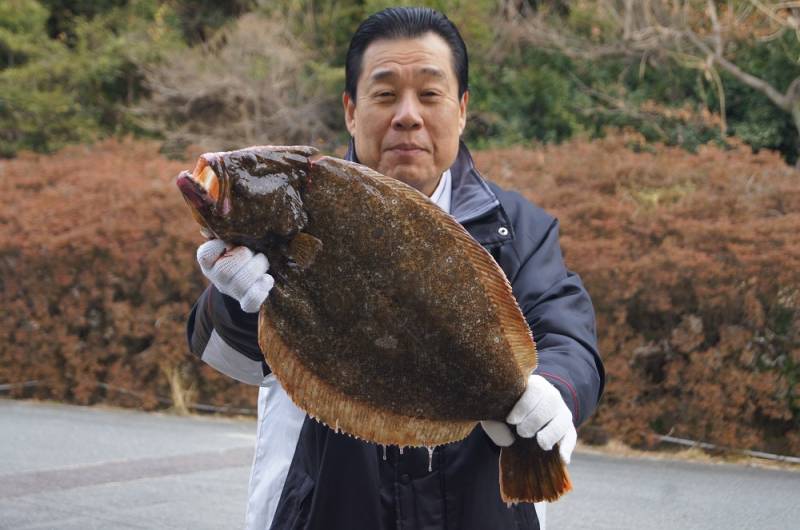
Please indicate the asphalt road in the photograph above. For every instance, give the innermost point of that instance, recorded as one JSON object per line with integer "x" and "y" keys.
{"x": 79, "y": 468}
{"x": 65, "y": 467}
{"x": 654, "y": 494}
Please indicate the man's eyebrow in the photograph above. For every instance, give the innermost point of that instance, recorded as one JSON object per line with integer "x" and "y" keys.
{"x": 433, "y": 71}
{"x": 381, "y": 74}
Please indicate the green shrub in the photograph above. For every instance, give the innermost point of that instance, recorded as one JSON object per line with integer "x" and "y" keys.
{"x": 77, "y": 86}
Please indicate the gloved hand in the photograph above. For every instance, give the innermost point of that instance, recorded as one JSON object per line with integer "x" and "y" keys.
{"x": 237, "y": 272}
{"x": 542, "y": 412}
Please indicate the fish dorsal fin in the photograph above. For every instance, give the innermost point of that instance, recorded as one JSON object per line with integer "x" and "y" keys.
{"x": 516, "y": 331}
{"x": 303, "y": 249}
{"x": 302, "y": 150}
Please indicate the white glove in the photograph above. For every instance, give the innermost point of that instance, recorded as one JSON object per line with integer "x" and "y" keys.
{"x": 541, "y": 411}
{"x": 237, "y": 272}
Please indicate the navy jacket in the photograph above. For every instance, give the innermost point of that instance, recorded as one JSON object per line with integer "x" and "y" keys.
{"x": 337, "y": 482}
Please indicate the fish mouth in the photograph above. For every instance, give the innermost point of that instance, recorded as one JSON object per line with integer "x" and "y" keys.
{"x": 202, "y": 185}
{"x": 194, "y": 193}
{"x": 201, "y": 190}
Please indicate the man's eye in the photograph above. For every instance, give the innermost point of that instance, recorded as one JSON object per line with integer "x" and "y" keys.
{"x": 384, "y": 94}
{"x": 429, "y": 94}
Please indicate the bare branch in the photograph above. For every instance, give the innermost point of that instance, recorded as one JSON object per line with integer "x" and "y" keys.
{"x": 770, "y": 13}
{"x": 712, "y": 13}
{"x": 721, "y": 95}
{"x": 750, "y": 80}
{"x": 249, "y": 85}
{"x": 628, "y": 24}
{"x": 677, "y": 29}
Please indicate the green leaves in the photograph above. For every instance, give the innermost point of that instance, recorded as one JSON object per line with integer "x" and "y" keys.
{"x": 76, "y": 87}
{"x": 72, "y": 70}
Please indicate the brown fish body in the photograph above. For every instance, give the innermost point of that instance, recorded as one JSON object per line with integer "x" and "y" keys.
{"x": 387, "y": 320}
{"x": 400, "y": 316}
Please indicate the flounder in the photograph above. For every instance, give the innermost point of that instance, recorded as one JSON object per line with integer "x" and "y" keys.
{"x": 387, "y": 320}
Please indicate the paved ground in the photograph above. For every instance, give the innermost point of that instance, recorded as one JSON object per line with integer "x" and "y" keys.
{"x": 81, "y": 468}
{"x": 650, "y": 494}
{"x": 77, "y": 468}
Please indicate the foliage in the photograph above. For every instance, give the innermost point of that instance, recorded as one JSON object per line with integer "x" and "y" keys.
{"x": 22, "y": 31}
{"x": 97, "y": 277}
{"x": 736, "y": 59}
{"x": 761, "y": 125}
{"x": 72, "y": 71}
{"x": 200, "y": 19}
{"x": 253, "y": 83}
{"x": 525, "y": 96}
{"x": 76, "y": 87}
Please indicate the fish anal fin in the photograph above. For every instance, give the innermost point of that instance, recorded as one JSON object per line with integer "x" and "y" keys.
{"x": 303, "y": 249}
{"x": 323, "y": 401}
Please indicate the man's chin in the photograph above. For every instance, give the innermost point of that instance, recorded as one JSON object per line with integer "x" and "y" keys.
{"x": 414, "y": 177}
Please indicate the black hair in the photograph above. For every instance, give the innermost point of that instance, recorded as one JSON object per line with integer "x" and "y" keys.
{"x": 400, "y": 23}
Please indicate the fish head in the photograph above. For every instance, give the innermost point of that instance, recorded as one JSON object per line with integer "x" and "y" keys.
{"x": 251, "y": 195}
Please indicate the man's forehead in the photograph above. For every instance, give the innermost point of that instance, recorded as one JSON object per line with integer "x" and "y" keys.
{"x": 427, "y": 55}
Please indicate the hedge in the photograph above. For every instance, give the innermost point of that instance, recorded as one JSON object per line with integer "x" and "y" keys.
{"x": 693, "y": 264}
{"x": 692, "y": 261}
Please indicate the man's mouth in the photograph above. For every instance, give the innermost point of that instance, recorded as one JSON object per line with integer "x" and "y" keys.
{"x": 407, "y": 148}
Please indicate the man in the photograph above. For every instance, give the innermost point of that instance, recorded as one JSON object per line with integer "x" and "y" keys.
{"x": 405, "y": 105}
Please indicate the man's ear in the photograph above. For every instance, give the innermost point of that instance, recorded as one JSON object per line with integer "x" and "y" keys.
{"x": 462, "y": 112}
{"x": 349, "y": 107}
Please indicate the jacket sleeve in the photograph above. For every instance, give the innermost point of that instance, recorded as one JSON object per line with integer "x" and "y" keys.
{"x": 560, "y": 314}
{"x": 225, "y": 337}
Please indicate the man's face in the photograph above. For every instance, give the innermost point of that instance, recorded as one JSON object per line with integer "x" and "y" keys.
{"x": 407, "y": 116}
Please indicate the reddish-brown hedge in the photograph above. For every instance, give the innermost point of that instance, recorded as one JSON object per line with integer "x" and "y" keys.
{"x": 98, "y": 275}
{"x": 693, "y": 262}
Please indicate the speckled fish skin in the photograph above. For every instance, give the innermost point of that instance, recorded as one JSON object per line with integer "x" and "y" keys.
{"x": 391, "y": 309}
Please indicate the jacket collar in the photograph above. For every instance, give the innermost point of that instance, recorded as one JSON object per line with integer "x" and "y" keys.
{"x": 472, "y": 203}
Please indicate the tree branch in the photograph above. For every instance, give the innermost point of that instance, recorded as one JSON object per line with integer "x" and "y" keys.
{"x": 781, "y": 100}
{"x": 667, "y": 27}
{"x": 712, "y": 13}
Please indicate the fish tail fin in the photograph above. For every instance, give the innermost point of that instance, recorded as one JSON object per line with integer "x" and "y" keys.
{"x": 528, "y": 473}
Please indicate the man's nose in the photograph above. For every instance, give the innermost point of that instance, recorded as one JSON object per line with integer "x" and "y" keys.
{"x": 407, "y": 115}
